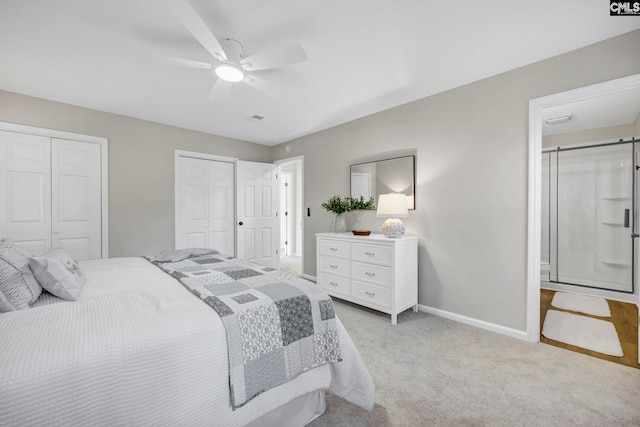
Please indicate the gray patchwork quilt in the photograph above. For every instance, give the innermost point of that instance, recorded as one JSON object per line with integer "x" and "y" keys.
{"x": 277, "y": 325}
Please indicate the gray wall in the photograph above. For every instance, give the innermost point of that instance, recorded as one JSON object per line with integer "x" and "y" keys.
{"x": 141, "y": 164}
{"x": 471, "y": 196}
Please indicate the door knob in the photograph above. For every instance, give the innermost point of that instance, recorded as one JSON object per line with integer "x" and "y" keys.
{"x": 241, "y": 223}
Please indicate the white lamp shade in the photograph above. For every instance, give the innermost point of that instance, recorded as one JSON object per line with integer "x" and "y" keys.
{"x": 392, "y": 205}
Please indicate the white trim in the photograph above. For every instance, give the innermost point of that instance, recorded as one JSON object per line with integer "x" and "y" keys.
{"x": 104, "y": 156}
{"x": 514, "y": 333}
{"x": 51, "y": 133}
{"x": 290, "y": 160}
{"x": 104, "y": 159}
{"x": 535, "y": 164}
{"x": 204, "y": 156}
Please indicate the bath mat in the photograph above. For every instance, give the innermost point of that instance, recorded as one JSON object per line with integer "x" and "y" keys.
{"x": 582, "y": 303}
{"x": 582, "y": 331}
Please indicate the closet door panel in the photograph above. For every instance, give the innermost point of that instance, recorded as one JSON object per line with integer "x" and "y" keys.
{"x": 76, "y": 198}
{"x": 222, "y": 220}
{"x": 25, "y": 190}
{"x": 192, "y": 213}
{"x": 205, "y": 209}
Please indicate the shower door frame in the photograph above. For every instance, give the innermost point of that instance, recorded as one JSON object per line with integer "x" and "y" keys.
{"x": 632, "y": 217}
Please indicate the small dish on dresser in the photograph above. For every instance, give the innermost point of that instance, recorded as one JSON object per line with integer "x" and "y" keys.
{"x": 361, "y": 232}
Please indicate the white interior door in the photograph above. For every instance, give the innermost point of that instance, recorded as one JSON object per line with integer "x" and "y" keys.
{"x": 25, "y": 190}
{"x": 256, "y": 206}
{"x": 205, "y": 205}
{"x": 76, "y": 198}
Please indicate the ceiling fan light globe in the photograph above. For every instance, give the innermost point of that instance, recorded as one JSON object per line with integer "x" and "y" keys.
{"x": 229, "y": 72}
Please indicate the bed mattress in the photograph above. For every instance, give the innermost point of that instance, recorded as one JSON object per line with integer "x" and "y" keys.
{"x": 137, "y": 348}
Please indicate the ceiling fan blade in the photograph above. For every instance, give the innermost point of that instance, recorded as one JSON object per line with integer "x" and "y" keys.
{"x": 261, "y": 85}
{"x": 187, "y": 63}
{"x": 274, "y": 58}
{"x": 220, "y": 90}
{"x": 196, "y": 26}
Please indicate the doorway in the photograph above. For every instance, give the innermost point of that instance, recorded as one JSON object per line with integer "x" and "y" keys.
{"x": 536, "y": 108}
{"x": 226, "y": 204}
{"x": 290, "y": 215}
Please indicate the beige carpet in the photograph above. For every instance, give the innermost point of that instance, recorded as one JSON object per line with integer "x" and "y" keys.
{"x": 431, "y": 371}
{"x": 291, "y": 264}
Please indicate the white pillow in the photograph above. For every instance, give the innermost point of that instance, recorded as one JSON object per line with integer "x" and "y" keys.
{"x": 59, "y": 273}
{"x": 18, "y": 287}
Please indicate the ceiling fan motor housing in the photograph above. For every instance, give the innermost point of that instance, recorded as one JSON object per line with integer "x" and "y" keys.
{"x": 233, "y": 49}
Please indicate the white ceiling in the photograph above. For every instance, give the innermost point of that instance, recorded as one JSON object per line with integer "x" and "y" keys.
{"x": 364, "y": 55}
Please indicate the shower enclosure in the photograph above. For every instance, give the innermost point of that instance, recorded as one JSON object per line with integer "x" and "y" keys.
{"x": 588, "y": 216}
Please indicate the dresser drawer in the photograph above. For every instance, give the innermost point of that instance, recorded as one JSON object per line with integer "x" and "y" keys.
{"x": 371, "y": 294}
{"x": 371, "y": 253}
{"x": 333, "y": 248}
{"x": 371, "y": 273}
{"x": 335, "y": 284}
{"x": 335, "y": 266}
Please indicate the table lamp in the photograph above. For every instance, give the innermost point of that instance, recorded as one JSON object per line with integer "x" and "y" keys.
{"x": 392, "y": 206}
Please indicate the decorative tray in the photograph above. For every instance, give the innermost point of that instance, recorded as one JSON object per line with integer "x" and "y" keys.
{"x": 361, "y": 232}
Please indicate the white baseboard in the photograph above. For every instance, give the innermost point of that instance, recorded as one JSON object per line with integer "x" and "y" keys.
{"x": 514, "y": 333}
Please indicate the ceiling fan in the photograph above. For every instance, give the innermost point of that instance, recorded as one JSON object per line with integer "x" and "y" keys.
{"x": 231, "y": 66}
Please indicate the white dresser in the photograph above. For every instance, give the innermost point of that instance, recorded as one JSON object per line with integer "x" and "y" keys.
{"x": 373, "y": 271}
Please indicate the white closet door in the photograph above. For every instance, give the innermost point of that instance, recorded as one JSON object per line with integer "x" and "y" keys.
{"x": 221, "y": 207}
{"x": 76, "y": 198}
{"x": 205, "y": 205}
{"x": 257, "y": 206}
{"x": 192, "y": 210}
{"x": 25, "y": 190}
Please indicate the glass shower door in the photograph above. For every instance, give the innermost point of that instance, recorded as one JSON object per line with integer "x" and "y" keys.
{"x": 594, "y": 217}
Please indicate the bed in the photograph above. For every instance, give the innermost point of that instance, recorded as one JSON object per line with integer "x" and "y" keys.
{"x": 138, "y": 348}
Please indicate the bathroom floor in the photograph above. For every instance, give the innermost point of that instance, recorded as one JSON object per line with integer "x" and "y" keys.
{"x": 623, "y": 315}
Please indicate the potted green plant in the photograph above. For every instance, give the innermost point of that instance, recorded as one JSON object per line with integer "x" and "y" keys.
{"x": 361, "y": 204}
{"x": 338, "y": 205}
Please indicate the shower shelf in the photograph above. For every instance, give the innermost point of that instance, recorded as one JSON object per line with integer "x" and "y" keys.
{"x": 616, "y": 262}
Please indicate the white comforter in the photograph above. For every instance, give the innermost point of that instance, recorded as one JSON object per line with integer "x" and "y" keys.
{"x": 138, "y": 349}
